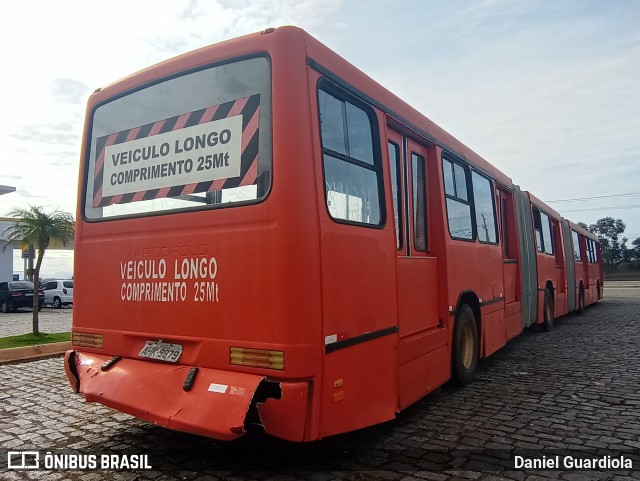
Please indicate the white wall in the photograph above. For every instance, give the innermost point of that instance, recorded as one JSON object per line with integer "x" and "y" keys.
{"x": 6, "y": 264}
{"x": 6, "y": 256}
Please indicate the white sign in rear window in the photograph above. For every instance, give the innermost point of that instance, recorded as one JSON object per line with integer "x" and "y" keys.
{"x": 201, "y": 153}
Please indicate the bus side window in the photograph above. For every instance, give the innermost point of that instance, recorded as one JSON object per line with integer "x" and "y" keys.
{"x": 396, "y": 191}
{"x": 542, "y": 228}
{"x": 537, "y": 227}
{"x": 546, "y": 233}
{"x": 351, "y": 170}
{"x": 592, "y": 250}
{"x": 577, "y": 256}
{"x": 419, "y": 201}
{"x": 457, "y": 198}
{"x": 485, "y": 210}
{"x": 505, "y": 227}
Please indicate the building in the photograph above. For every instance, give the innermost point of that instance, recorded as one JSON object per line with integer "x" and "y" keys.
{"x": 6, "y": 255}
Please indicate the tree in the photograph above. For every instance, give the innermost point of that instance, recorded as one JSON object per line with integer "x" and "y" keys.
{"x": 614, "y": 249}
{"x": 634, "y": 252}
{"x": 33, "y": 226}
{"x": 583, "y": 225}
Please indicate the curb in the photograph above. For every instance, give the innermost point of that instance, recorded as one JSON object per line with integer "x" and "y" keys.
{"x": 31, "y": 353}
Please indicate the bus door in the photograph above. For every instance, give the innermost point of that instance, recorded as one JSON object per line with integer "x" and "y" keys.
{"x": 585, "y": 267}
{"x": 510, "y": 266}
{"x": 423, "y": 360}
{"x": 561, "y": 274}
{"x": 592, "y": 271}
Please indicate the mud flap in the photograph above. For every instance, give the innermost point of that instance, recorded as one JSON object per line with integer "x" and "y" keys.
{"x": 71, "y": 371}
{"x": 215, "y": 406}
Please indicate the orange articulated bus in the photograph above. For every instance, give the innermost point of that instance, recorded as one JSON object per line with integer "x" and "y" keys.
{"x": 266, "y": 236}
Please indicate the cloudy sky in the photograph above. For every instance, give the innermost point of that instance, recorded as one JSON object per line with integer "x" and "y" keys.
{"x": 549, "y": 92}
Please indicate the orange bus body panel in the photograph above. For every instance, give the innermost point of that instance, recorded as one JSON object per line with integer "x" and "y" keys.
{"x": 267, "y": 298}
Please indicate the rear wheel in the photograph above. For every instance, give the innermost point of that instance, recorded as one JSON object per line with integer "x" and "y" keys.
{"x": 5, "y": 306}
{"x": 547, "y": 325}
{"x": 465, "y": 347}
{"x": 57, "y": 303}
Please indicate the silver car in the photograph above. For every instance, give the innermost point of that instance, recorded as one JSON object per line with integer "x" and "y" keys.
{"x": 58, "y": 293}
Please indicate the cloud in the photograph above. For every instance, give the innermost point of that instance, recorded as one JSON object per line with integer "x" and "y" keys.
{"x": 204, "y": 22}
{"x": 545, "y": 91}
{"x": 62, "y": 133}
{"x": 191, "y": 11}
{"x": 69, "y": 91}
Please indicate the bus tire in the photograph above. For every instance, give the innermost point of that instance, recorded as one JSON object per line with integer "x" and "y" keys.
{"x": 581, "y": 300}
{"x": 465, "y": 347}
{"x": 547, "y": 323}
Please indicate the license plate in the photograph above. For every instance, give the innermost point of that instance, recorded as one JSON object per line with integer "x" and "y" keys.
{"x": 161, "y": 351}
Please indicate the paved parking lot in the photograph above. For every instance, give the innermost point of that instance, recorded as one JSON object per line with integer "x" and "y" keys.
{"x": 573, "y": 390}
{"x": 51, "y": 320}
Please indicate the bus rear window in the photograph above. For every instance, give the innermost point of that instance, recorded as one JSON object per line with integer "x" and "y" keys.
{"x": 195, "y": 141}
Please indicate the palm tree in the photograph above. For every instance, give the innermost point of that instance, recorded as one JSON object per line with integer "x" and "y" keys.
{"x": 37, "y": 228}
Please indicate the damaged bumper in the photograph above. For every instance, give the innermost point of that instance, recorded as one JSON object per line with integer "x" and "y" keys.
{"x": 207, "y": 402}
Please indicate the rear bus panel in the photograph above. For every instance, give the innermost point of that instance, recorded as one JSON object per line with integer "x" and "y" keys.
{"x": 218, "y": 281}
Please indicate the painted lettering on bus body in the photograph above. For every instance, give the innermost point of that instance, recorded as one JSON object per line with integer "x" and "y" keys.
{"x": 180, "y": 250}
{"x": 144, "y": 269}
{"x": 196, "y": 268}
{"x": 194, "y": 278}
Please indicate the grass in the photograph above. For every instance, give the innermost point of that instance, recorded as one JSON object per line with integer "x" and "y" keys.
{"x": 32, "y": 340}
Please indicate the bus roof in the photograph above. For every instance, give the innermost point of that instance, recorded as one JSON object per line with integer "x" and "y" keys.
{"x": 555, "y": 214}
{"x": 321, "y": 58}
{"x": 220, "y": 51}
{"x": 582, "y": 230}
{"x": 542, "y": 206}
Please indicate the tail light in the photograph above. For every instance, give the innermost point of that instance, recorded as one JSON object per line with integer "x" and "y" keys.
{"x": 86, "y": 339}
{"x": 241, "y": 356}
{"x": 16, "y": 294}
{"x": 41, "y": 292}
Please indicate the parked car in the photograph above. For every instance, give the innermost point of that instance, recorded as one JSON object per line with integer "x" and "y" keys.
{"x": 17, "y": 294}
{"x": 58, "y": 293}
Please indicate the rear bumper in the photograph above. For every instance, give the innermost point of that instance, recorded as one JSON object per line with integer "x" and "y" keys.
{"x": 219, "y": 403}
{"x": 24, "y": 302}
